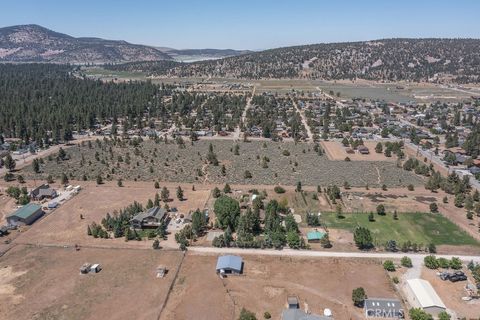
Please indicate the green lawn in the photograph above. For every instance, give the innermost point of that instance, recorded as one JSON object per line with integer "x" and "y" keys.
{"x": 420, "y": 228}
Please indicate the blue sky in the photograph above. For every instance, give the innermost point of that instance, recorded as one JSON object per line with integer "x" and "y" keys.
{"x": 247, "y": 24}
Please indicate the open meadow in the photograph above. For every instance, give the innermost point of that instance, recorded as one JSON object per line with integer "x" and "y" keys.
{"x": 416, "y": 227}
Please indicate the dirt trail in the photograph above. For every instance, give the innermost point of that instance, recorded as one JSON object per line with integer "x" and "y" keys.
{"x": 236, "y": 134}
{"x": 304, "y": 121}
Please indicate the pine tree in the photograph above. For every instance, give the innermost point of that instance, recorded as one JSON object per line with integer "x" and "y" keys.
{"x": 180, "y": 193}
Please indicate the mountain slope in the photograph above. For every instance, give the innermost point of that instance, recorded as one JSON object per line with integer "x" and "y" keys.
{"x": 388, "y": 59}
{"x": 33, "y": 43}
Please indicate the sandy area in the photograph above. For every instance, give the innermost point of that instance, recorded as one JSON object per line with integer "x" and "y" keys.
{"x": 266, "y": 283}
{"x": 452, "y": 293}
{"x": 64, "y": 226}
{"x": 45, "y": 283}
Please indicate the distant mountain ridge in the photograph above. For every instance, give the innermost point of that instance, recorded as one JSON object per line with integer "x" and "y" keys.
{"x": 33, "y": 43}
{"x": 202, "y": 54}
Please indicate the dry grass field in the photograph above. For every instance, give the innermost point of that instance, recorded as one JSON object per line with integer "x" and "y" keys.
{"x": 64, "y": 226}
{"x": 267, "y": 281}
{"x": 45, "y": 283}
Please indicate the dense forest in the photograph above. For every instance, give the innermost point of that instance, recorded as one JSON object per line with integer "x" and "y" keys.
{"x": 389, "y": 59}
{"x": 43, "y": 102}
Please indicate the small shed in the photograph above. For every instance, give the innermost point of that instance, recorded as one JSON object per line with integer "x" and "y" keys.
{"x": 52, "y": 205}
{"x": 292, "y": 302}
{"x": 85, "y": 268}
{"x": 95, "y": 268}
{"x": 161, "y": 271}
{"x": 25, "y": 215}
{"x": 229, "y": 264}
{"x": 363, "y": 150}
{"x": 315, "y": 236}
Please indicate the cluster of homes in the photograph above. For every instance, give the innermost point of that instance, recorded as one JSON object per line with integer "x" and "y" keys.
{"x": 31, "y": 212}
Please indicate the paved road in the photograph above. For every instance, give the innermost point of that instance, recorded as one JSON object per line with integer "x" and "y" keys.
{"x": 325, "y": 254}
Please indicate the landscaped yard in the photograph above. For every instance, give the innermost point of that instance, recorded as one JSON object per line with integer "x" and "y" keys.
{"x": 420, "y": 228}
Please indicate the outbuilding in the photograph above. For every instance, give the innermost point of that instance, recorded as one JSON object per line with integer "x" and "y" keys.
{"x": 25, "y": 215}
{"x": 315, "y": 236}
{"x": 425, "y": 297}
{"x": 229, "y": 264}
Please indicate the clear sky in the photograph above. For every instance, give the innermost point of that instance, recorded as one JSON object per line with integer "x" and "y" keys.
{"x": 247, "y": 24}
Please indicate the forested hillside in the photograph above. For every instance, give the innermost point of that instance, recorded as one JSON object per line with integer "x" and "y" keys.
{"x": 40, "y": 99}
{"x": 391, "y": 60}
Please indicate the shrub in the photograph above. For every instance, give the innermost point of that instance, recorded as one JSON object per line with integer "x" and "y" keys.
{"x": 431, "y": 262}
{"x": 443, "y": 263}
{"x": 389, "y": 265}
{"x": 359, "y": 296}
{"x": 381, "y": 209}
{"x": 456, "y": 263}
{"x": 433, "y": 207}
{"x": 406, "y": 262}
{"x": 279, "y": 189}
{"x": 410, "y": 187}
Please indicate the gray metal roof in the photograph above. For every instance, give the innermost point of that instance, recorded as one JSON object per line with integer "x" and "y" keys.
{"x": 383, "y": 307}
{"x": 297, "y": 314}
{"x": 229, "y": 262}
{"x": 155, "y": 212}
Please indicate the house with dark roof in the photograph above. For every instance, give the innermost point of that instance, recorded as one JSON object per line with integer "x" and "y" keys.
{"x": 152, "y": 218}
{"x": 229, "y": 264}
{"x": 42, "y": 192}
{"x": 25, "y": 215}
{"x": 383, "y": 308}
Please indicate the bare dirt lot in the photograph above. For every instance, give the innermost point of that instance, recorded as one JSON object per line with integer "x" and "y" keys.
{"x": 451, "y": 295}
{"x": 64, "y": 226}
{"x": 266, "y": 283}
{"x": 336, "y": 151}
{"x": 45, "y": 283}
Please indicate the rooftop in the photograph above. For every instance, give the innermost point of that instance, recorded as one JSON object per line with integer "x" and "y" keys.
{"x": 315, "y": 235}
{"x": 425, "y": 294}
{"x": 26, "y": 211}
{"x": 297, "y": 314}
{"x": 229, "y": 262}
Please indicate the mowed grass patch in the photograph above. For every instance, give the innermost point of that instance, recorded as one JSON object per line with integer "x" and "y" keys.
{"x": 417, "y": 227}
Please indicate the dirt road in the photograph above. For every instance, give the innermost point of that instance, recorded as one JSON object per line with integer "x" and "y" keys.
{"x": 304, "y": 121}
{"x": 236, "y": 134}
{"x": 326, "y": 254}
